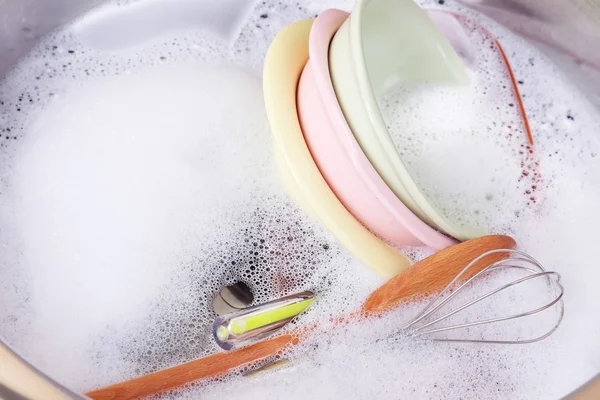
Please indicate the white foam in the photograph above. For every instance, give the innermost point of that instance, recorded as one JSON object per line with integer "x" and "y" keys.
{"x": 135, "y": 182}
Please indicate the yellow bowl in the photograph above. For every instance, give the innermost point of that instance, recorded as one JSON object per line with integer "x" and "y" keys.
{"x": 284, "y": 62}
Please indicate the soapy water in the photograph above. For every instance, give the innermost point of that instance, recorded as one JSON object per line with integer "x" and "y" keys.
{"x": 137, "y": 180}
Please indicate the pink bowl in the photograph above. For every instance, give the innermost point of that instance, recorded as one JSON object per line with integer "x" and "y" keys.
{"x": 339, "y": 156}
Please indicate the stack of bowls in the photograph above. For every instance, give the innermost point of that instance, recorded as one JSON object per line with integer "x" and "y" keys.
{"x": 322, "y": 81}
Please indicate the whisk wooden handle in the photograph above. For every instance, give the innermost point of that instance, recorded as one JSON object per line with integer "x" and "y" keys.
{"x": 435, "y": 272}
{"x": 425, "y": 277}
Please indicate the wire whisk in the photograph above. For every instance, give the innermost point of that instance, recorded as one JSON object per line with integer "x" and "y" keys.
{"x": 419, "y": 326}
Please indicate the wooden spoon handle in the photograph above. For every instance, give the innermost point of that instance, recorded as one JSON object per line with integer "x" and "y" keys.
{"x": 435, "y": 272}
{"x": 203, "y": 368}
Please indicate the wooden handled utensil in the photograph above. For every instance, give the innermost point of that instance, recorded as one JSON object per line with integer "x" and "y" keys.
{"x": 428, "y": 276}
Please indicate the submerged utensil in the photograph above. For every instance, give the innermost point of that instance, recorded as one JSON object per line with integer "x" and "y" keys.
{"x": 257, "y": 322}
{"x": 232, "y": 298}
{"x": 439, "y": 272}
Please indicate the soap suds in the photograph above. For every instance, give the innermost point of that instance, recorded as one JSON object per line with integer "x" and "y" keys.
{"x": 136, "y": 182}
